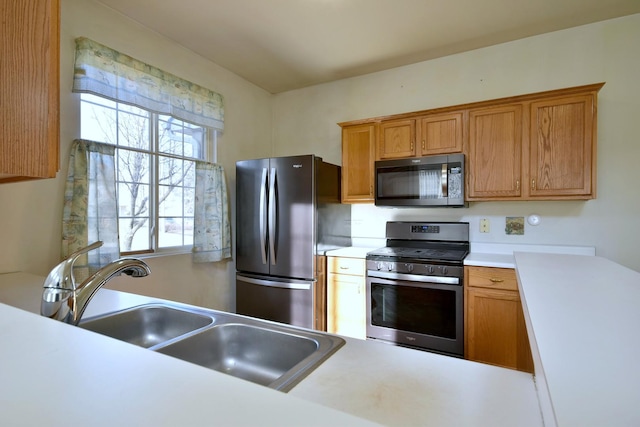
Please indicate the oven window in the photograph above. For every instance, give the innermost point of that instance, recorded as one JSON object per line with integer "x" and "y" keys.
{"x": 413, "y": 309}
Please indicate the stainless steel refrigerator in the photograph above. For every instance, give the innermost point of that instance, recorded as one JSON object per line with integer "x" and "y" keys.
{"x": 287, "y": 211}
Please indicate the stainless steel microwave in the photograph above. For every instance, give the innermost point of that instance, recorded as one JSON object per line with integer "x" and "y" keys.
{"x": 430, "y": 181}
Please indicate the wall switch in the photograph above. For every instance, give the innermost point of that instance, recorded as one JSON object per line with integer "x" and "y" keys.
{"x": 484, "y": 225}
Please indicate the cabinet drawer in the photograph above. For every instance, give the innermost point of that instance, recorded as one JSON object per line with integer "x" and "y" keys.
{"x": 339, "y": 265}
{"x": 491, "y": 277}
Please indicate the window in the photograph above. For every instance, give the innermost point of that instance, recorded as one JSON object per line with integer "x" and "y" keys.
{"x": 155, "y": 171}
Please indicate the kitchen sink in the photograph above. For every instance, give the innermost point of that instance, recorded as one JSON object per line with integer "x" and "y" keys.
{"x": 148, "y": 325}
{"x": 271, "y": 354}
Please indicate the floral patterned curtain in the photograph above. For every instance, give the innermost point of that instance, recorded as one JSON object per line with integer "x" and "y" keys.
{"x": 212, "y": 232}
{"x": 90, "y": 207}
{"x": 106, "y": 72}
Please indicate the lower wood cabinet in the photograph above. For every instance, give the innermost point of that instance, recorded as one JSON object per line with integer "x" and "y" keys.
{"x": 346, "y": 309}
{"x": 495, "y": 330}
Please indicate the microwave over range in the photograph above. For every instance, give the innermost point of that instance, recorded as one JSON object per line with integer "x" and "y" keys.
{"x": 430, "y": 181}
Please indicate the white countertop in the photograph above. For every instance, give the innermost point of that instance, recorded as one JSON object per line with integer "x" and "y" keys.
{"x": 362, "y": 381}
{"x": 583, "y": 315}
{"x": 501, "y": 254}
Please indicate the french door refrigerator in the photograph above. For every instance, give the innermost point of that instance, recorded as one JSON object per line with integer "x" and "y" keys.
{"x": 287, "y": 211}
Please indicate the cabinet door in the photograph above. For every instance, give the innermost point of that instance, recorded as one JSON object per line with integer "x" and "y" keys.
{"x": 496, "y": 332}
{"x": 397, "y": 139}
{"x": 561, "y": 154}
{"x": 440, "y": 134}
{"x": 358, "y": 156}
{"x": 346, "y": 312}
{"x": 495, "y": 151}
{"x": 29, "y": 73}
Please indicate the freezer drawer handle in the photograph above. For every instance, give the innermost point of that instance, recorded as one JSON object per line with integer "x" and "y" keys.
{"x": 284, "y": 285}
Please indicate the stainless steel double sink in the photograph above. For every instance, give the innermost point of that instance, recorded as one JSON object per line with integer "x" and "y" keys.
{"x": 267, "y": 353}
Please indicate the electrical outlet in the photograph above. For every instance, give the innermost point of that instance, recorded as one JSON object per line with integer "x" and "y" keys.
{"x": 484, "y": 225}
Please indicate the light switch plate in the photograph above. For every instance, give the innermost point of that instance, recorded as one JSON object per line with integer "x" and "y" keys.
{"x": 484, "y": 225}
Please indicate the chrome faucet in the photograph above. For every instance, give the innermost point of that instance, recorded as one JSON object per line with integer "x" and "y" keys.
{"x": 63, "y": 300}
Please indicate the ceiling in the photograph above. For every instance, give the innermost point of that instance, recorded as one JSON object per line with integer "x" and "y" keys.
{"x": 281, "y": 45}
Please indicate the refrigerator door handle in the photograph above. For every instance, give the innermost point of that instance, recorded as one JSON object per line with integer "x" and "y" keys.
{"x": 272, "y": 215}
{"x": 263, "y": 216}
{"x": 273, "y": 284}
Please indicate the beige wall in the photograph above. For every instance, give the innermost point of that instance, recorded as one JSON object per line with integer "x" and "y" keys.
{"x": 305, "y": 121}
{"x": 30, "y": 213}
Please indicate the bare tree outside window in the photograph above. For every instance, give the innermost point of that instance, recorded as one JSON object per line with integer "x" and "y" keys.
{"x": 155, "y": 171}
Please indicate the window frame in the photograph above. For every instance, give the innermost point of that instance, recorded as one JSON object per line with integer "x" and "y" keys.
{"x": 209, "y": 145}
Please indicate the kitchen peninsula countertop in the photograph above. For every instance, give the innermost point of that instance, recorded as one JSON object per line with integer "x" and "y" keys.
{"x": 110, "y": 382}
{"x": 582, "y": 318}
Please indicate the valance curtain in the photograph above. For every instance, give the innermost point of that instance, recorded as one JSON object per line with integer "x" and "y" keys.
{"x": 212, "y": 232}
{"x": 90, "y": 207}
{"x": 106, "y": 72}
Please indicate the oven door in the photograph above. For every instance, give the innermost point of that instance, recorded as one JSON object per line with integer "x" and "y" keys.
{"x": 414, "y": 311}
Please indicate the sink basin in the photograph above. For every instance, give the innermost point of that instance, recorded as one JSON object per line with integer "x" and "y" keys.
{"x": 271, "y": 354}
{"x": 148, "y": 325}
{"x": 263, "y": 356}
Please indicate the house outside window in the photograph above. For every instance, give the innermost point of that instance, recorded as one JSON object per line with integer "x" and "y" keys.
{"x": 155, "y": 171}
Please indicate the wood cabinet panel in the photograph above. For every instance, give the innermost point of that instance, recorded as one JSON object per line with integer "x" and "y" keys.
{"x": 495, "y": 150}
{"x": 561, "y": 147}
{"x": 397, "y": 139}
{"x": 495, "y": 331}
{"x": 358, "y": 157}
{"x": 440, "y": 134}
{"x": 340, "y": 265}
{"x": 29, "y": 78}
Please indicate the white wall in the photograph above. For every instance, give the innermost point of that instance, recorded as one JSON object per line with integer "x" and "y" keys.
{"x": 31, "y": 212}
{"x": 305, "y": 121}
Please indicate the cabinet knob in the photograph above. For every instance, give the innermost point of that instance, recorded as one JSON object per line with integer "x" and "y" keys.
{"x": 412, "y": 145}
{"x": 423, "y": 144}
{"x": 533, "y": 184}
{"x": 518, "y": 185}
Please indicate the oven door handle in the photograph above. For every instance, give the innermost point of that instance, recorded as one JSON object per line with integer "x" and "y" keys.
{"x": 414, "y": 277}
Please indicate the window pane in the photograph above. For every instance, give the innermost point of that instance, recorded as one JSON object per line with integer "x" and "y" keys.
{"x": 134, "y": 235}
{"x": 98, "y": 100}
{"x": 133, "y": 131}
{"x": 133, "y": 166}
{"x": 171, "y": 201}
{"x": 181, "y": 138}
{"x": 98, "y": 123}
{"x": 170, "y": 233}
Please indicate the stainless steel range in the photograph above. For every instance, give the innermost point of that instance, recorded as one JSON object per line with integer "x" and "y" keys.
{"x": 415, "y": 286}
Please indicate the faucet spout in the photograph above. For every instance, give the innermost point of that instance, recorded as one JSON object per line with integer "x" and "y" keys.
{"x": 63, "y": 300}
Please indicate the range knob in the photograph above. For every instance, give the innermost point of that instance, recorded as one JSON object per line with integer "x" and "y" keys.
{"x": 444, "y": 271}
{"x": 430, "y": 269}
{"x": 390, "y": 266}
{"x": 409, "y": 267}
{"x": 379, "y": 265}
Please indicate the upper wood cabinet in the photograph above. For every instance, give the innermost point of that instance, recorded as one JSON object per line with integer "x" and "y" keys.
{"x": 537, "y": 149}
{"x": 539, "y": 146}
{"x": 562, "y": 147}
{"x": 423, "y": 136}
{"x": 440, "y": 134}
{"x": 29, "y": 89}
{"x": 397, "y": 139}
{"x": 358, "y": 157}
{"x": 495, "y": 151}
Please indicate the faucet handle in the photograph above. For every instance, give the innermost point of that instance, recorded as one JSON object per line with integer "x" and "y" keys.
{"x": 61, "y": 276}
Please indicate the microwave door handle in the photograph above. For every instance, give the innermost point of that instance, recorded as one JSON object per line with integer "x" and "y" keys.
{"x": 263, "y": 216}
{"x": 272, "y": 216}
{"x": 444, "y": 180}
